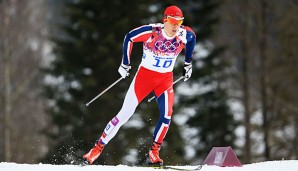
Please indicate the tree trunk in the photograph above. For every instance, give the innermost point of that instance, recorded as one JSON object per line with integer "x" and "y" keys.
{"x": 6, "y": 89}
{"x": 295, "y": 147}
{"x": 263, "y": 84}
{"x": 246, "y": 80}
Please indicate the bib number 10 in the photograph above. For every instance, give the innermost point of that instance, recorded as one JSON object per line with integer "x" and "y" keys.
{"x": 163, "y": 63}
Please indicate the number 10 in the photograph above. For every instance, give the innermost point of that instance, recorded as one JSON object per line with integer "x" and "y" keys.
{"x": 166, "y": 63}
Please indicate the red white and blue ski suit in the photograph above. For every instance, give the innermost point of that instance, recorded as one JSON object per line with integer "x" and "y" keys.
{"x": 154, "y": 74}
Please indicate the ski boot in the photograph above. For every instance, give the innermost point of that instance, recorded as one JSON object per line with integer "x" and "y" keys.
{"x": 94, "y": 153}
{"x": 153, "y": 155}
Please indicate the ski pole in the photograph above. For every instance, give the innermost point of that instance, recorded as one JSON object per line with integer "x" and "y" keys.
{"x": 87, "y": 104}
{"x": 180, "y": 78}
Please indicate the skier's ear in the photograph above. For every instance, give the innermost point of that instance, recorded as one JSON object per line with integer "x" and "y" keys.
{"x": 164, "y": 19}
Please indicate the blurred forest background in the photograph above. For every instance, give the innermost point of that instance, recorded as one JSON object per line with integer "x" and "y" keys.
{"x": 56, "y": 55}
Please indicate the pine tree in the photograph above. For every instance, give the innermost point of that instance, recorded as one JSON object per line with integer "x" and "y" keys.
{"x": 88, "y": 54}
{"x": 204, "y": 98}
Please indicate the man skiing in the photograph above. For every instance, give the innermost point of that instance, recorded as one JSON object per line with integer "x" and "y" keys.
{"x": 162, "y": 43}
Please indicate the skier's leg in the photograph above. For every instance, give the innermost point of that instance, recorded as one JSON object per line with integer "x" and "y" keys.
{"x": 138, "y": 90}
{"x": 128, "y": 108}
{"x": 165, "y": 101}
{"x": 165, "y": 104}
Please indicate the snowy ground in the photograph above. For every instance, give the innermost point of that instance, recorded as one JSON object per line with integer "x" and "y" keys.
{"x": 285, "y": 165}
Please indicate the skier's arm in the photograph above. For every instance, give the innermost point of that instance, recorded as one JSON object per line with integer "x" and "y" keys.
{"x": 191, "y": 41}
{"x": 139, "y": 34}
{"x": 190, "y": 45}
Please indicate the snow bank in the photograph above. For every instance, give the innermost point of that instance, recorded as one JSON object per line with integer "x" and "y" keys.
{"x": 284, "y": 165}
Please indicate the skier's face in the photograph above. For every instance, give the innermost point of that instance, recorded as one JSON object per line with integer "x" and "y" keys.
{"x": 172, "y": 25}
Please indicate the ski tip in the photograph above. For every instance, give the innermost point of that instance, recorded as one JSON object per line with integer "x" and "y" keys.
{"x": 157, "y": 164}
{"x": 199, "y": 167}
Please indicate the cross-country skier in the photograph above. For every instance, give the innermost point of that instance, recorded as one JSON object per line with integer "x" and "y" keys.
{"x": 161, "y": 45}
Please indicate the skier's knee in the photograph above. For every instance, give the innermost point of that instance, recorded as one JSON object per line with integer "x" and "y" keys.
{"x": 111, "y": 125}
{"x": 165, "y": 120}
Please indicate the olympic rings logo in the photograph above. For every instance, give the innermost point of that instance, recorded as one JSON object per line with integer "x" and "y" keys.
{"x": 166, "y": 46}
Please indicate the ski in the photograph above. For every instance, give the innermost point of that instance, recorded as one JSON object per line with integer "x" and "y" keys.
{"x": 185, "y": 169}
{"x": 175, "y": 168}
{"x": 178, "y": 168}
{"x": 181, "y": 169}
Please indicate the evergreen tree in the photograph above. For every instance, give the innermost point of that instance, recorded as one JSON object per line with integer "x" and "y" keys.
{"x": 204, "y": 97}
{"x": 88, "y": 54}
{"x": 87, "y": 57}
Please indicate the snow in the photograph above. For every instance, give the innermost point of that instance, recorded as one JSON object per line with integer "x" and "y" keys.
{"x": 283, "y": 165}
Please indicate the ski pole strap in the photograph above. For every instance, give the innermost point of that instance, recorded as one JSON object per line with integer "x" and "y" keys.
{"x": 180, "y": 78}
